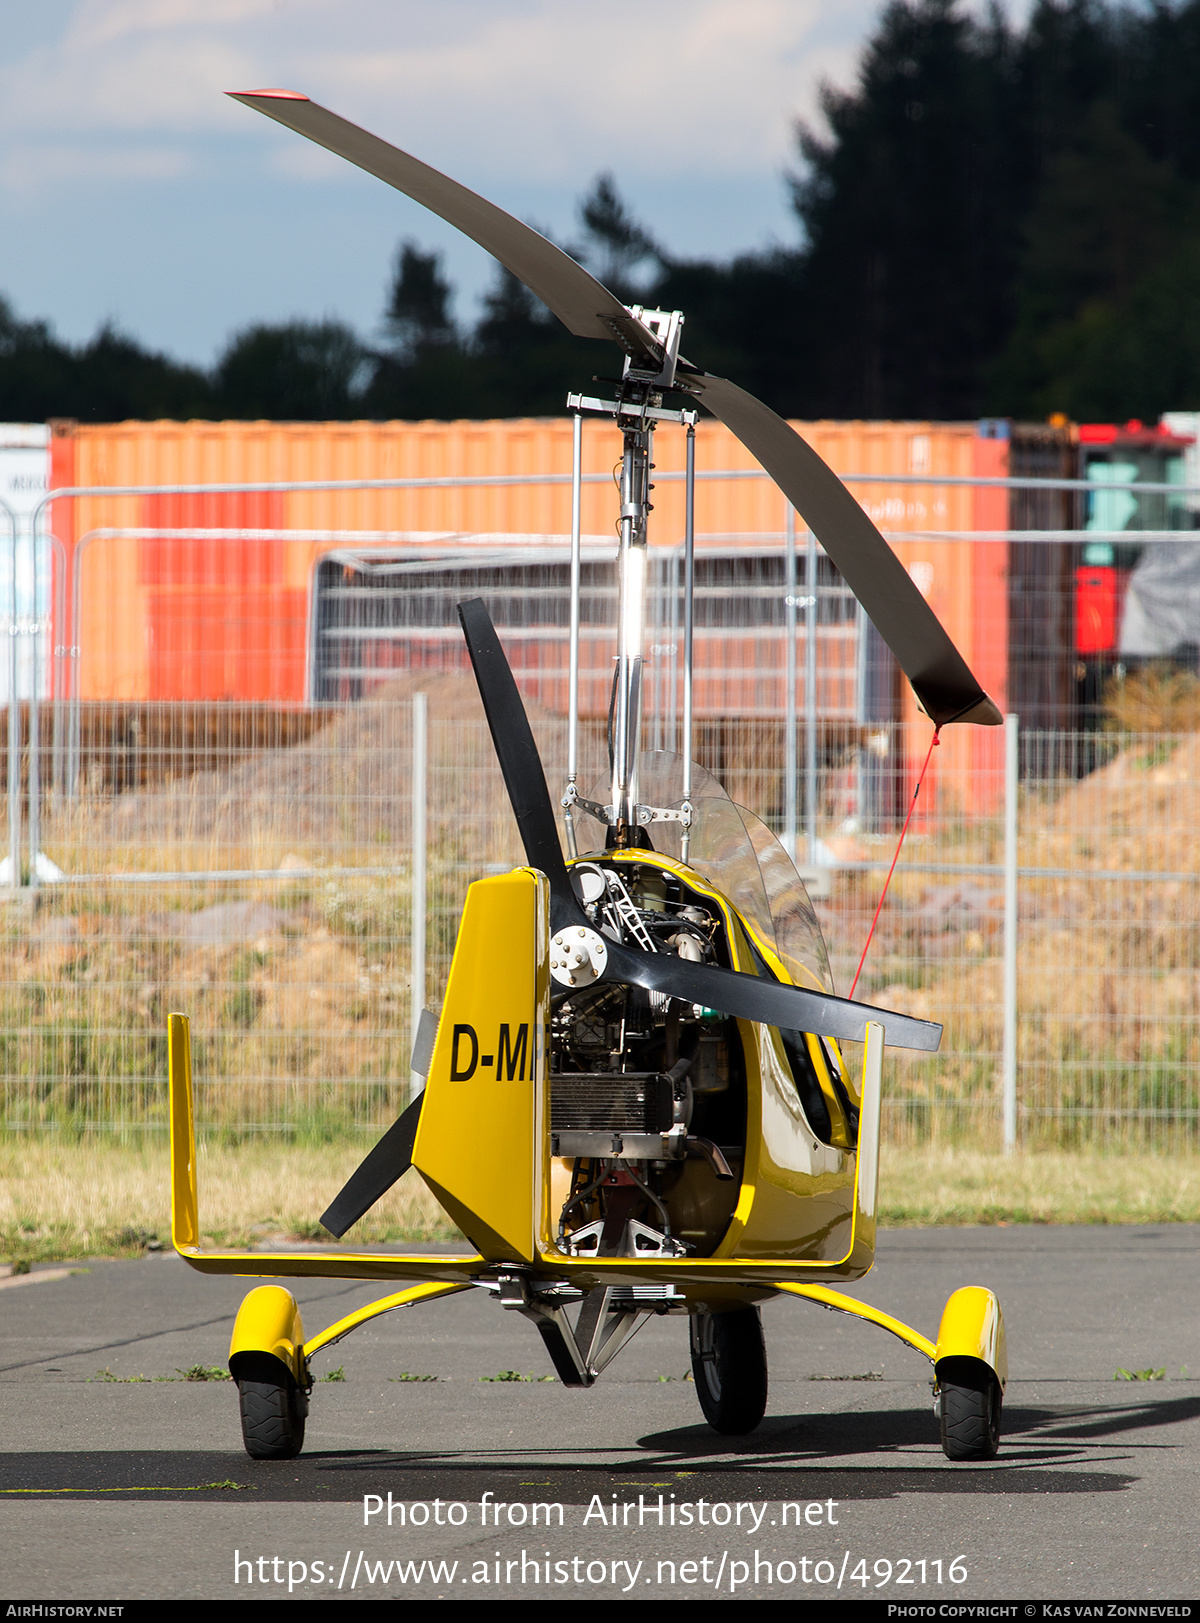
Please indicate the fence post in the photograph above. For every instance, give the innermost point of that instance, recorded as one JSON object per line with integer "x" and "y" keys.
{"x": 1010, "y": 935}
{"x": 14, "y": 730}
{"x": 35, "y": 727}
{"x": 810, "y": 694}
{"x": 420, "y": 737}
{"x": 789, "y": 707}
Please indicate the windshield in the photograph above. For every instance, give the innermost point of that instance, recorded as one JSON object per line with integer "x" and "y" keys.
{"x": 798, "y": 938}
{"x": 738, "y": 855}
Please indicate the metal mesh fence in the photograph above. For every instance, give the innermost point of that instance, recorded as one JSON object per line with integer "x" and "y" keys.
{"x": 248, "y": 859}
{"x": 1107, "y": 881}
{"x": 293, "y": 956}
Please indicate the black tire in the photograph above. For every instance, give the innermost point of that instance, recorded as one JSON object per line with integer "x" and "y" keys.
{"x": 729, "y": 1367}
{"x": 273, "y": 1408}
{"x": 970, "y": 1412}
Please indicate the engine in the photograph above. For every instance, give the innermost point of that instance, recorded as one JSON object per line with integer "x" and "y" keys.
{"x": 647, "y": 1093}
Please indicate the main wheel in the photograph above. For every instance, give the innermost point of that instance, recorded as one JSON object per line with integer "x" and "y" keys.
{"x": 970, "y": 1412}
{"x": 729, "y": 1367}
{"x": 273, "y": 1408}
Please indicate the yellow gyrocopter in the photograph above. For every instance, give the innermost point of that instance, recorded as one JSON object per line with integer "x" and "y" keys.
{"x": 635, "y": 1101}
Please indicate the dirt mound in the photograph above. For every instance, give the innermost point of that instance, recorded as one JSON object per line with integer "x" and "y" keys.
{"x": 1141, "y": 811}
{"x": 1108, "y": 969}
{"x": 346, "y": 787}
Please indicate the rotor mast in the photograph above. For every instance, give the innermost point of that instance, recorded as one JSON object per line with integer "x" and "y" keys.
{"x": 631, "y": 623}
{"x": 637, "y": 409}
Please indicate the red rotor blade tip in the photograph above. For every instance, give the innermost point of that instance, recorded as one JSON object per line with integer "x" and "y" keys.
{"x": 280, "y": 95}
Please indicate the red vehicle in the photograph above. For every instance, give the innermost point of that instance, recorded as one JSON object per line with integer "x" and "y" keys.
{"x": 1112, "y": 457}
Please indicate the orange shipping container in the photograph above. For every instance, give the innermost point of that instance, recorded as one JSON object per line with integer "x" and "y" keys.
{"x": 188, "y": 615}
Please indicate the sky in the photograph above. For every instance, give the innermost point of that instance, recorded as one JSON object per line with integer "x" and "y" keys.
{"x": 133, "y": 191}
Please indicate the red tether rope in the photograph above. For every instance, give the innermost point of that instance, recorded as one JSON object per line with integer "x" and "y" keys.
{"x": 932, "y": 742}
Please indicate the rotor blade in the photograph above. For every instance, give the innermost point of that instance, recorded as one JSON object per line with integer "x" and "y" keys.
{"x": 584, "y": 305}
{"x": 389, "y": 1160}
{"x": 515, "y": 749}
{"x": 939, "y": 675}
{"x": 770, "y": 1003}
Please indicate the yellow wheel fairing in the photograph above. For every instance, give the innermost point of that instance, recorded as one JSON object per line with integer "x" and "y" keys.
{"x": 973, "y": 1327}
{"x": 269, "y": 1321}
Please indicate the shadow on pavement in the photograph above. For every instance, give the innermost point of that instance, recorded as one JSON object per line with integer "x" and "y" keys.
{"x": 231, "y": 1477}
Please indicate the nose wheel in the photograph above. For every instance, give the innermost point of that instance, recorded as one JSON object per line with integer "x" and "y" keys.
{"x": 969, "y": 1410}
{"x": 729, "y": 1367}
{"x": 273, "y": 1408}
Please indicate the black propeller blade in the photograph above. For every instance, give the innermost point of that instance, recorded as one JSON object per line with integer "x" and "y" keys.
{"x": 388, "y": 1161}
{"x": 745, "y": 996}
{"x": 770, "y": 1003}
{"x": 519, "y": 759}
{"x": 940, "y": 676}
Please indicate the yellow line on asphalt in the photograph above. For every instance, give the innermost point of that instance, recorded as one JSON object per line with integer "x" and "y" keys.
{"x": 196, "y": 1487}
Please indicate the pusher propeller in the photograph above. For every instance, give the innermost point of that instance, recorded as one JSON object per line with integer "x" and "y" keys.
{"x": 748, "y": 997}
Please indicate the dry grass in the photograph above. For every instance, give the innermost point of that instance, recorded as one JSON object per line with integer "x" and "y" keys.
{"x": 1108, "y": 970}
{"x": 298, "y": 987}
{"x": 62, "y": 1201}
{"x": 926, "y": 1188}
{"x": 1158, "y": 699}
{"x": 71, "y": 1200}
